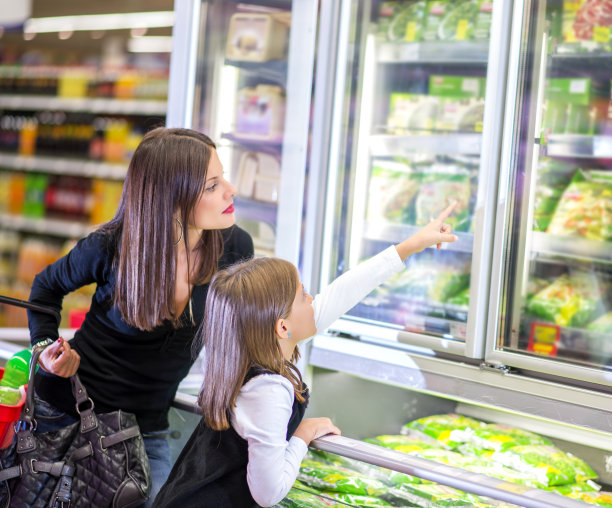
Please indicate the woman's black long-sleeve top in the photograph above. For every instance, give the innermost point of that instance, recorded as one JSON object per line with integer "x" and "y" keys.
{"x": 122, "y": 367}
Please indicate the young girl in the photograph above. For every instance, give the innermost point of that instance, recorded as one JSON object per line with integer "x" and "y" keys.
{"x": 248, "y": 447}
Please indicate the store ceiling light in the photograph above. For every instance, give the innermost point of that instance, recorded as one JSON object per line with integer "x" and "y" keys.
{"x": 116, "y": 21}
{"x": 150, "y": 44}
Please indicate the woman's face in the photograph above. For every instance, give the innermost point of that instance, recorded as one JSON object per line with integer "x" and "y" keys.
{"x": 215, "y": 208}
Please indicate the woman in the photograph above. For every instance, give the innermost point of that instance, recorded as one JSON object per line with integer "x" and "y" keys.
{"x": 151, "y": 264}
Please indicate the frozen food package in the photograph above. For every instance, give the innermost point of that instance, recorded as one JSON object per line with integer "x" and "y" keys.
{"x": 457, "y": 24}
{"x": 587, "y": 24}
{"x": 495, "y": 436}
{"x": 585, "y": 208}
{"x": 570, "y": 300}
{"x": 462, "y": 298}
{"x": 462, "y": 115}
{"x": 355, "y": 499}
{"x": 406, "y": 442}
{"x": 432, "y": 495}
{"x": 411, "y": 113}
{"x": 552, "y": 179}
{"x": 547, "y": 464}
{"x": 595, "y": 498}
{"x": 482, "y": 21}
{"x": 570, "y": 489}
{"x": 603, "y": 324}
{"x": 440, "y": 185}
{"x": 369, "y": 470}
{"x": 297, "y": 498}
{"x": 393, "y": 187}
{"x": 441, "y": 426}
{"x": 339, "y": 479}
{"x": 401, "y": 21}
{"x": 435, "y": 12}
{"x": 257, "y": 37}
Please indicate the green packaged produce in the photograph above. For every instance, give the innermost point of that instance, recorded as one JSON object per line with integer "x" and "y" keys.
{"x": 441, "y": 426}
{"x": 494, "y": 436}
{"x": 552, "y": 179}
{"x": 431, "y": 495}
{"x": 462, "y": 298}
{"x": 363, "y": 468}
{"x": 570, "y": 300}
{"x": 482, "y": 21}
{"x": 412, "y": 113}
{"x": 300, "y": 499}
{"x": 402, "y": 21}
{"x": 330, "y": 477}
{"x": 435, "y": 11}
{"x": 603, "y": 324}
{"x": 573, "y": 488}
{"x": 356, "y": 500}
{"x": 392, "y": 189}
{"x": 405, "y": 442}
{"x": 458, "y": 21}
{"x": 547, "y": 464}
{"x": 585, "y": 208}
{"x": 596, "y": 498}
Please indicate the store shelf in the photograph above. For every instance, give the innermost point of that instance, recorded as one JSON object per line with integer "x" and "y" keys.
{"x": 572, "y": 247}
{"x": 273, "y": 70}
{"x": 394, "y": 233}
{"x": 388, "y": 145}
{"x": 434, "y": 52}
{"x": 85, "y": 104}
{"x": 256, "y": 210}
{"x": 260, "y": 145}
{"x": 64, "y": 166}
{"x": 581, "y": 146}
{"x": 54, "y": 227}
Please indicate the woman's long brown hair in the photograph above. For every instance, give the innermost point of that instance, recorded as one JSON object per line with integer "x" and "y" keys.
{"x": 238, "y": 332}
{"x": 166, "y": 177}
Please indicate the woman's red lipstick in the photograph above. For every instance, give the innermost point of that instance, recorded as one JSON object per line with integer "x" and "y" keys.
{"x": 229, "y": 209}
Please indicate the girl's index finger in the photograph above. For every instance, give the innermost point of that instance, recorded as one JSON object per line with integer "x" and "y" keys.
{"x": 447, "y": 211}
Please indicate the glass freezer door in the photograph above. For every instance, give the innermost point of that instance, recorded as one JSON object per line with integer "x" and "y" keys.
{"x": 247, "y": 83}
{"x": 552, "y": 287}
{"x": 416, "y": 99}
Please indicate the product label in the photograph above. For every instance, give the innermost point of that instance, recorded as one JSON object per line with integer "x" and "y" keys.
{"x": 544, "y": 339}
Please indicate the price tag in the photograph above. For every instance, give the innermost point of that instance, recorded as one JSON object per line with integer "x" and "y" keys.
{"x": 544, "y": 339}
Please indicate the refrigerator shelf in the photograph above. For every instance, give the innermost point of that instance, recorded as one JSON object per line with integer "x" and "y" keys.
{"x": 394, "y": 233}
{"x": 572, "y": 247}
{"x": 272, "y": 70}
{"x": 577, "y": 145}
{"x": 44, "y": 226}
{"x": 389, "y": 145}
{"x": 272, "y": 146}
{"x": 434, "y": 52}
{"x": 64, "y": 166}
{"x": 256, "y": 210}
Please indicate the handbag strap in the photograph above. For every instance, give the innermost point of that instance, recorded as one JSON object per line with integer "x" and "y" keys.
{"x": 27, "y": 424}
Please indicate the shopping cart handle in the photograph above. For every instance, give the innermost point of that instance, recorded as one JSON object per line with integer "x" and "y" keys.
{"x": 31, "y": 306}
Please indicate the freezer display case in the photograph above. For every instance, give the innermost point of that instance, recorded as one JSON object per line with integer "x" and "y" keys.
{"x": 552, "y": 291}
{"x": 417, "y": 89}
{"x": 242, "y": 73}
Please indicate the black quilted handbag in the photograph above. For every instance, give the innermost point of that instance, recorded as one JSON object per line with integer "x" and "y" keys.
{"x": 99, "y": 461}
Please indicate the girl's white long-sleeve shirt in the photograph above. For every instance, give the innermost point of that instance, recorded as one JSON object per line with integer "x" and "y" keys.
{"x": 265, "y": 403}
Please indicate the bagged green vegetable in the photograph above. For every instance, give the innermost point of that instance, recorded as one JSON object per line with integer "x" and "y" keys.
{"x": 547, "y": 464}
{"x": 553, "y": 178}
{"x": 440, "y": 426}
{"x": 330, "y": 477}
{"x": 462, "y": 298}
{"x": 585, "y": 208}
{"x": 569, "y": 301}
{"x": 392, "y": 189}
{"x": 494, "y": 436}
{"x": 405, "y": 442}
{"x": 596, "y": 498}
{"x": 603, "y": 324}
{"x": 301, "y": 499}
{"x": 355, "y": 500}
{"x": 574, "y": 488}
{"x": 430, "y": 495}
{"x": 363, "y": 468}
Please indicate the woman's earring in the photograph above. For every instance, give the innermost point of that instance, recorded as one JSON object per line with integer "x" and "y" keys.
{"x": 288, "y": 335}
{"x": 180, "y": 229}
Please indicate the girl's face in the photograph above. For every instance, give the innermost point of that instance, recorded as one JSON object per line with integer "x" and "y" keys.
{"x": 215, "y": 208}
{"x": 301, "y": 322}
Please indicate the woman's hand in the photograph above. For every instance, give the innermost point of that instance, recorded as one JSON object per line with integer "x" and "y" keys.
{"x": 60, "y": 359}
{"x": 312, "y": 428}
{"x": 434, "y": 233}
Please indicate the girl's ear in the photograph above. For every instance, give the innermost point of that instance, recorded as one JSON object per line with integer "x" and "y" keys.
{"x": 281, "y": 329}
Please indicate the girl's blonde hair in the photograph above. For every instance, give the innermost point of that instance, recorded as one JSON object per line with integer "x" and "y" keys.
{"x": 244, "y": 303}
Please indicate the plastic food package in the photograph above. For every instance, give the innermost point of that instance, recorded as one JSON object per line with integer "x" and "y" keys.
{"x": 588, "y": 23}
{"x": 401, "y": 21}
{"x": 297, "y": 498}
{"x": 260, "y": 113}
{"x": 603, "y": 324}
{"x": 596, "y": 498}
{"x": 494, "y": 436}
{"x": 257, "y": 37}
{"x": 363, "y": 468}
{"x": 553, "y": 178}
{"x": 585, "y": 208}
{"x": 570, "y": 300}
{"x": 441, "y": 426}
{"x": 327, "y": 477}
{"x": 433, "y": 495}
{"x": 355, "y": 500}
{"x": 393, "y": 187}
{"x": 412, "y": 113}
{"x": 547, "y": 464}
{"x": 441, "y": 185}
